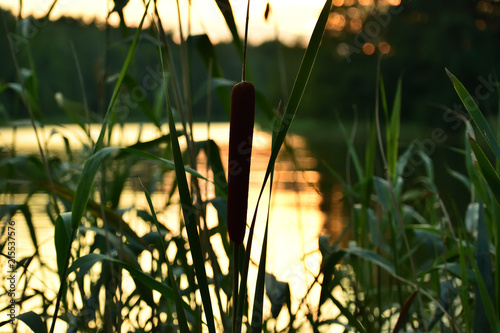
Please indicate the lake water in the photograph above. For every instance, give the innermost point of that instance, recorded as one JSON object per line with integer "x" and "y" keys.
{"x": 296, "y": 219}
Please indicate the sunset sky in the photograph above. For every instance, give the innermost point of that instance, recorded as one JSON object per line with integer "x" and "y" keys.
{"x": 293, "y": 19}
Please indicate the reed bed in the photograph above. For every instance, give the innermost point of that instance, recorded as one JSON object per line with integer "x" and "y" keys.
{"x": 410, "y": 263}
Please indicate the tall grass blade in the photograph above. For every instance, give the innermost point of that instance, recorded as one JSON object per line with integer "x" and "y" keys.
{"x": 87, "y": 261}
{"x": 258, "y": 302}
{"x": 383, "y": 96}
{"x": 227, "y": 12}
{"x": 181, "y": 316}
{"x": 393, "y": 133}
{"x": 92, "y": 166}
{"x": 383, "y": 192}
{"x": 352, "y": 151}
{"x": 476, "y": 115}
{"x": 290, "y": 111}
{"x": 130, "y": 82}
{"x": 207, "y": 52}
{"x": 370, "y": 153}
{"x": 487, "y": 170}
{"x": 350, "y": 317}
{"x": 464, "y": 276}
{"x": 190, "y": 219}
{"x": 212, "y": 152}
{"x": 123, "y": 72}
{"x": 299, "y": 85}
{"x": 75, "y": 110}
{"x": 484, "y": 310}
{"x": 404, "y": 313}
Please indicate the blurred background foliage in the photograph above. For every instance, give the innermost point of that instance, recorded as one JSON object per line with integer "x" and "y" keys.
{"x": 418, "y": 39}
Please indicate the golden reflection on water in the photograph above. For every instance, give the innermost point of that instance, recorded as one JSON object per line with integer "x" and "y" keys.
{"x": 295, "y": 218}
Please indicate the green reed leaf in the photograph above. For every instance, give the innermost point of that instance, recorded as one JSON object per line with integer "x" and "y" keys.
{"x": 352, "y": 151}
{"x": 393, "y": 133}
{"x": 131, "y": 83}
{"x": 383, "y": 192}
{"x": 123, "y": 72}
{"x": 181, "y": 315}
{"x": 219, "y": 84}
{"x": 258, "y": 302}
{"x": 353, "y": 321}
{"x": 92, "y": 166}
{"x": 91, "y": 259}
{"x": 62, "y": 234}
{"x": 281, "y": 131}
{"x": 476, "y": 115}
{"x": 484, "y": 309}
{"x": 74, "y": 110}
{"x": 300, "y": 81}
{"x": 212, "y": 152}
{"x": 227, "y": 12}
{"x": 190, "y": 218}
{"x": 34, "y": 321}
{"x": 372, "y": 257}
{"x": 487, "y": 170}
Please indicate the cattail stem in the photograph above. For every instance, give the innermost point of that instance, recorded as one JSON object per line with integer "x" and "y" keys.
{"x": 236, "y": 248}
{"x": 244, "y": 67}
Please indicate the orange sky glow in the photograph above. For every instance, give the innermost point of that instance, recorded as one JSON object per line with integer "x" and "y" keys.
{"x": 291, "y": 20}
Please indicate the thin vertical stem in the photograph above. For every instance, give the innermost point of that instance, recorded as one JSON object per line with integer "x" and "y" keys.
{"x": 236, "y": 249}
{"x": 393, "y": 197}
{"x": 243, "y": 71}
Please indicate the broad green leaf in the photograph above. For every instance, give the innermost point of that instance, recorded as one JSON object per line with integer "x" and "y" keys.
{"x": 85, "y": 184}
{"x": 62, "y": 234}
{"x": 383, "y": 192}
{"x": 373, "y": 257}
{"x": 448, "y": 292}
{"x": 116, "y": 241}
{"x": 168, "y": 163}
{"x": 34, "y": 321}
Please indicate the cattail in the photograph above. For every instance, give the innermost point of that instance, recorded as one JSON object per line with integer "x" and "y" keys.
{"x": 240, "y": 153}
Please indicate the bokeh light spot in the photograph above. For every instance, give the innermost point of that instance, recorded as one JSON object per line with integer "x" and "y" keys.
{"x": 384, "y": 47}
{"x": 368, "y": 48}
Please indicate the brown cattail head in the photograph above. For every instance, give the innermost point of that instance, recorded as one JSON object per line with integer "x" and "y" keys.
{"x": 240, "y": 153}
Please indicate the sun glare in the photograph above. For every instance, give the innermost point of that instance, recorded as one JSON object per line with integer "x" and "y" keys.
{"x": 290, "y": 20}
